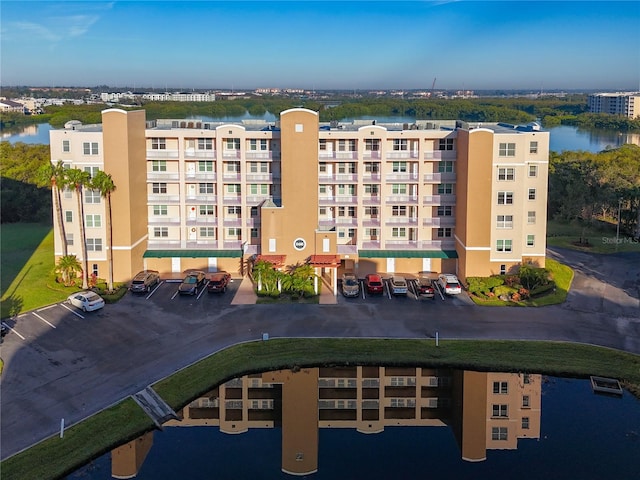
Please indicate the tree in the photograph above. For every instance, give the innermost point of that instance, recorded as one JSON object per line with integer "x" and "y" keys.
{"x": 103, "y": 183}
{"x": 67, "y": 269}
{"x": 80, "y": 179}
{"x": 54, "y": 176}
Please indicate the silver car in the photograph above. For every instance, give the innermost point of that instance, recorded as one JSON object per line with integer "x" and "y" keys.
{"x": 350, "y": 285}
{"x": 398, "y": 285}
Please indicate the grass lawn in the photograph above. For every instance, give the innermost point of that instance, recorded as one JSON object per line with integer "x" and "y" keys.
{"x": 55, "y": 457}
{"x": 601, "y": 237}
{"x": 27, "y": 269}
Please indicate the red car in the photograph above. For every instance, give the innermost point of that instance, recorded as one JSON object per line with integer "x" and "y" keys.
{"x": 425, "y": 287}
{"x": 218, "y": 282}
{"x": 373, "y": 283}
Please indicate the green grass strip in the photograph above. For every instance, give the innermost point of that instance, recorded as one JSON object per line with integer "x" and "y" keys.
{"x": 55, "y": 457}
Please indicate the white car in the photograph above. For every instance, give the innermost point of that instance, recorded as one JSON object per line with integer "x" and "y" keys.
{"x": 87, "y": 301}
{"x": 450, "y": 284}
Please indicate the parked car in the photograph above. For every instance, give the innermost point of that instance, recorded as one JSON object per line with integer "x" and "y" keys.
{"x": 350, "y": 285}
{"x": 191, "y": 283}
{"x": 87, "y": 301}
{"x": 449, "y": 284}
{"x": 425, "y": 287}
{"x": 144, "y": 281}
{"x": 398, "y": 285}
{"x": 218, "y": 282}
{"x": 373, "y": 283}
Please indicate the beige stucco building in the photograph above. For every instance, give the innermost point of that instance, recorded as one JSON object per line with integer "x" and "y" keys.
{"x": 439, "y": 196}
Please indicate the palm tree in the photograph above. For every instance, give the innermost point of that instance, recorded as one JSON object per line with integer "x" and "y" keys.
{"x": 80, "y": 179}
{"x": 67, "y": 269}
{"x": 104, "y": 184}
{"x": 54, "y": 176}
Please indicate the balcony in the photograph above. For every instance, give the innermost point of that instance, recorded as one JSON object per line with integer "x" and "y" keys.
{"x": 201, "y": 176}
{"x": 440, "y": 155}
{"x": 326, "y": 222}
{"x": 204, "y": 220}
{"x": 371, "y": 177}
{"x": 371, "y": 245}
{"x": 163, "y": 176}
{"x": 164, "y": 220}
{"x": 233, "y": 154}
{"x": 200, "y": 154}
{"x": 449, "y": 221}
{"x": 208, "y": 244}
{"x": 253, "y": 222}
{"x": 371, "y": 222}
{"x": 338, "y": 178}
{"x": 347, "y": 249}
{"x": 443, "y": 244}
{"x": 207, "y": 198}
{"x": 231, "y": 177}
{"x": 402, "y": 177}
{"x": 162, "y": 244}
{"x": 446, "y": 199}
{"x": 259, "y": 177}
{"x": 162, "y": 154}
{"x": 371, "y": 155}
{"x": 324, "y": 155}
{"x": 346, "y": 199}
{"x": 254, "y": 200}
{"x": 232, "y": 244}
{"x": 163, "y": 198}
{"x": 232, "y": 222}
{"x": 396, "y": 155}
{"x": 395, "y": 221}
{"x": 439, "y": 177}
{"x": 404, "y": 199}
{"x": 401, "y": 244}
{"x": 346, "y": 221}
{"x": 234, "y": 200}
{"x": 266, "y": 155}
{"x": 371, "y": 200}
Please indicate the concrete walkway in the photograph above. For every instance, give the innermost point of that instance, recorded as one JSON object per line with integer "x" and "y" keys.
{"x": 245, "y": 294}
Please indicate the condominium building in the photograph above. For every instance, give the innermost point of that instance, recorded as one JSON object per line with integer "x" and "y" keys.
{"x": 620, "y": 103}
{"x": 440, "y": 196}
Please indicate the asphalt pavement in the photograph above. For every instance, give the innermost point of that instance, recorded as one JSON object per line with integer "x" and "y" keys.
{"x": 64, "y": 363}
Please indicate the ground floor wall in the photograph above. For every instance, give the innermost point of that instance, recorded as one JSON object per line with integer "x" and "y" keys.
{"x": 176, "y": 266}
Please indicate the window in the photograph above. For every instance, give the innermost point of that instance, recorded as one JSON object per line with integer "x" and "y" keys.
{"x": 322, "y": 189}
{"x": 533, "y": 147}
{"x": 525, "y": 423}
{"x": 94, "y": 269}
{"x": 500, "y": 411}
{"x": 158, "y": 165}
{"x": 323, "y": 144}
{"x": 234, "y": 232}
{"x": 400, "y": 144}
{"x": 205, "y": 166}
{"x": 531, "y": 217}
{"x": 505, "y": 221}
{"x": 232, "y": 167}
{"x": 91, "y": 196}
{"x": 159, "y": 209}
{"x": 232, "y": 144}
{"x": 445, "y": 188}
{"x": 372, "y": 189}
{"x": 506, "y": 173}
{"x": 158, "y": 144}
{"x": 526, "y": 378}
{"x": 501, "y": 388}
{"x": 371, "y": 233}
{"x": 399, "y": 188}
{"x": 263, "y": 167}
{"x": 209, "y": 232}
{"x": 399, "y": 211}
{"x": 498, "y": 433}
{"x": 398, "y": 232}
{"x": 399, "y": 167}
{"x": 92, "y": 171}
{"x": 254, "y": 212}
{"x": 205, "y": 144}
{"x": 93, "y": 221}
{"x": 503, "y": 269}
{"x": 68, "y": 216}
{"x": 160, "y": 232}
{"x": 69, "y": 237}
{"x": 66, "y": 147}
{"x": 233, "y": 188}
{"x": 68, "y": 193}
{"x": 206, "y": 209}
{"x": 90, "y": 148}
{"x": 371, "y": 211}
{"x": 505, "y": 198}
{"x": 507, "y": 150}
{"x": 346, "y": 189}
{"x": 372, "y": 167}
{"x": 234, "y": 211}
{"x": 445, "y": 144}
{"x": 346, "y": 168}
{"x": 533, "y": 170}
{"x": 445, "y": 211}
{"x": 259, "y": 189}
{"x": 94, "y": 244}
{"x": 531, "y": 240}
{"x": 205, "y": 188}
{"x": 159, "y": 188}
{"x": 258, "y": 144}
{"x": 371, "y": 144}
{"x": 526, "y": 402}
{"x": 445, "y": 166}
{"x": 504, "y": 245}
{"x": 532, "y": 194}
{"x": 254, "y": 233}
{"x": 444, "y": 232}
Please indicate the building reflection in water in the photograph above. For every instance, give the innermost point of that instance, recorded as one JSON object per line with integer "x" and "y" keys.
{"x": 485, "y": 410}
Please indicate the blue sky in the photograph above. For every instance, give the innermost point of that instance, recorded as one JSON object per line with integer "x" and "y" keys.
{"x": 329, "y": 44}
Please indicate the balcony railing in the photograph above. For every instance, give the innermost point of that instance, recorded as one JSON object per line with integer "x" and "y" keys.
{"x": 440, "y": 155}
{"x": 401, "y": 244}
{"x": 394, "y": 155}
{"x": 254, "y": 200}
{"x": 371, "y": 177}
{"x": 163, "y": 198}
{"x": 233, "y": 177}
{"x": 234, "y": 200}
{"x": 444, "y": 244}
{"x": 162, "y": 244}
{"x": 448, "y": 221}
{"x": 232, "y": 222}
{"x": 164, "y": 220}
{"x": 323, "y": 155}
{"x": 231, "y": 154}
{"x": 338, "y": 178}
{"x": 209, "y": 198}
{"x": 440, "y": 177}
{"x": 402, "y": 177}
{"x": 200, "y": 154}
{"x": 346, "y": 221}
{"x": 347, "y": 249}
{"x": 208, "y": 220}
{"x": 371, "y": 155}
{"x": 401, "y": 221}
{"x": 445, "y": 199}
{"x": 232, "y": 244}
{"x": 208, "y": 243}
{"x": 253, "y": 222}
{"x": 162, "y": 154}
{"x": 201, "y": 176}
{"x": 259, "y": 155}
{"x": 259, "y": 177}
{"x": 402, "y": 199}
{"x": 371, "y": 244}
{"x": 371, "y": 222}
{"x": 326, "y": 222}
{"x": 164, "y": 176}
{"x": 371, "y": 200}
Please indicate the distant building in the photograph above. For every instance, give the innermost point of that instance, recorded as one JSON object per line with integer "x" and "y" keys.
{"x": 11, "y": 106}
{"x": 180, "y": 97}
{"x": 619, "y": 103}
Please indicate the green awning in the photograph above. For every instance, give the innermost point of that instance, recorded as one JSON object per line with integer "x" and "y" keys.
{"x": 192, "y": 253}
{"x": 407, "y": 254}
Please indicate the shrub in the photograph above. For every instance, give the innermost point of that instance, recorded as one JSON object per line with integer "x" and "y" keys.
{"x": 542, "y": 289}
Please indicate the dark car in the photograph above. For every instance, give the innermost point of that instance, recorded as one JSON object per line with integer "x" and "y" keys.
{"x": 373, "y": 283}
{"x": 191, "y": 283}
{"x": 218, "y": 282}
{"x": 425, "y": 287}
{"x": 144, "y": 280}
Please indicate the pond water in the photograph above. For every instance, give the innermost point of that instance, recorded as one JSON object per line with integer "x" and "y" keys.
{"x": 562, "y": 137}
{"x": 387, "y": 423}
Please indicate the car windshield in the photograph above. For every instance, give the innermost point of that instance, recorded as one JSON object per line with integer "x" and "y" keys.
{"x": 351, "y": 282}
{"x": 375, "y": 284}
{"x": 190, "y": 280}
{"x": 92, "y": 297}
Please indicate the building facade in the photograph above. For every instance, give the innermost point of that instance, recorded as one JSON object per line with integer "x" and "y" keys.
{"x": 440, "y": 196}
{"x": 626, "y": 104}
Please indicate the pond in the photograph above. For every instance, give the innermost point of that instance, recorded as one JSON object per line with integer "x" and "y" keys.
{"x": 389, "y": 422}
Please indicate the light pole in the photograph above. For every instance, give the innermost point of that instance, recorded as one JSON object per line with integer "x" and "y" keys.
{"x": 618, "y": 227}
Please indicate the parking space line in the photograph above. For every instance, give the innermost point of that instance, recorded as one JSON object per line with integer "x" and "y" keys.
{"x": 174, "y": 295}
{"x": 46, "y": 308}
{"x": 48, "y": 323}
{"x": 154, "y": 290}
{"x": 204, "y": 287}
{"x": 13, "y": 330}
{"x": 75, "y": 313}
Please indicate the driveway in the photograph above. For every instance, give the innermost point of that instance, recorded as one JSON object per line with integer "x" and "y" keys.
{"x": 62, "y": 363}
